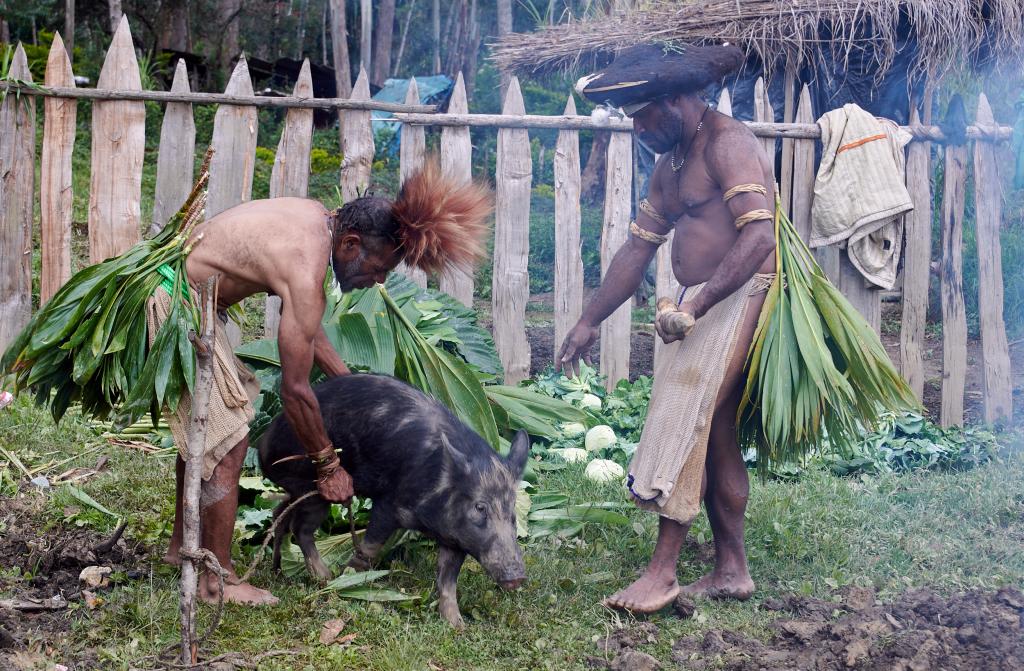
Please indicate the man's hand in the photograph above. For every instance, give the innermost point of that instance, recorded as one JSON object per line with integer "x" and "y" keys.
{"x": 670, "y": 332}
{"x": 336, "y": 486}
{"x": 577, "y": 343}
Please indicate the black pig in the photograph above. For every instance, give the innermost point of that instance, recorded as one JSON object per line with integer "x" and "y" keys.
{"x": 423, "y": 469}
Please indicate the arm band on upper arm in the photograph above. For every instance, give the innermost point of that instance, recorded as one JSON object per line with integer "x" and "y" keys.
{"x": 648, "y": 209}
{"x": 744, "y": 188}
{"x": 753, "y": 215}
{"x": 645, "y": 235}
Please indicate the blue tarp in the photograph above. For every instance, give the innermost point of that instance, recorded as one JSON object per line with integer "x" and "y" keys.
{"x": 434, "y": 90}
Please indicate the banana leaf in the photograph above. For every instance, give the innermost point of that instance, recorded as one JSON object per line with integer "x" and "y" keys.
{"x": 815, "y": 369}
{"x": 90, "y": 344}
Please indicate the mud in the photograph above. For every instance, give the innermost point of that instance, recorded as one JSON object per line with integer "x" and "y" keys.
{"x": 49, "y": 563}
{"x": 919, "y": 630}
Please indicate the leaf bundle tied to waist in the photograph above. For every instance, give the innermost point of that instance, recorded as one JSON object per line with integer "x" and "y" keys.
{"x": 816, "y": 368}
{"x": 89, "y": 344}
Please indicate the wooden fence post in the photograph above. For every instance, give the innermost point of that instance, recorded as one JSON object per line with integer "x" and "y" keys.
{"x": 55, "y": 184}
{"x": 615, "y": 331}
{"x": 568, "y": 303}
{"x": 996, "y": 375}
{"x": 788, "y": 112}
{"x": 764, "y": 113}
{"x": 175, "y": 162}
{"x": 803, "y": 171}
{"x": 290, "y": 176}
{"x": 357, "y": 144}
{"x": 17, "y": 184}
{"x": 861, "y": 295}
{"x": 234, "y": 157}
{"x": 457, "y": 163}
{"x": 510, "y": 281}
{"x": 234, "y": 146}
{"x": 412, "y": 153}
{"x": 954, "y": 320}
{"x": 917, "y": 263}
{"x": 725, "y": 102}
{"x": 118, "y": 147}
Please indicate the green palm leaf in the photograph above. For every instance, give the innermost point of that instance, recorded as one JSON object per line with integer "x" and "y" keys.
{"x": 815, "y": 365}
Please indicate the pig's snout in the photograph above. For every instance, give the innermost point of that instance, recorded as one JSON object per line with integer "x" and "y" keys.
{"x": 510, "y": 585}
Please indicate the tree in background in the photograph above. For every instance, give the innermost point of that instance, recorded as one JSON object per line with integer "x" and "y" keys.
{"x": 382, "y": 38}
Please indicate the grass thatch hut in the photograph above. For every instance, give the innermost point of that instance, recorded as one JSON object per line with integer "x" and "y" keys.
{"x": 873, "y": 52}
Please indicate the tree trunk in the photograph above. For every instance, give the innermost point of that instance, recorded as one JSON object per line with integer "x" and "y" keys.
{"x": 339, "y": 49}
{"x": 227, "y": 15}
{"x": 114, "y": 12}
{"x": 504, "y": 28}
{"x": 323, "y": 34}
{"x": 300, "y": 37}
{"x": 592, "y": 181}
{"x": 69, "y": 29}
{"x": 472, "y": 52}
{"x": 382, "y": 41}
{"x": 454, "y": 37}
{"x": 176, "y": 35}
{"x": 436, "y": 26}
{"x": 405, "y": 34}
{"x": 365, "y": 35}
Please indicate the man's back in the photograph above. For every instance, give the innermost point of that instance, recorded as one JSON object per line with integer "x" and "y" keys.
{"x": 263, "y": 245}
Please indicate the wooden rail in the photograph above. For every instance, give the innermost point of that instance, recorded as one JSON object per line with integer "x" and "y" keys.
{"x": 118, "y": 134}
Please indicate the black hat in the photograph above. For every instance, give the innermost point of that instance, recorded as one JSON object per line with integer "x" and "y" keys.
{"x": 640, "y": 75}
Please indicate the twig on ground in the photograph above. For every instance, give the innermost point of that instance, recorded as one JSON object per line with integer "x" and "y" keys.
{"x": 107, "y": 545}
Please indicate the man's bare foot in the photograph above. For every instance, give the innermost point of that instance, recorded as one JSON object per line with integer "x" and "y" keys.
{"x": 721, "y": 586}
{"x": 649, "y": 594}
{"x": 241, "y": 593}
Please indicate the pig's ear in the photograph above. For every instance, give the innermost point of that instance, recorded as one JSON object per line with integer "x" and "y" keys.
{"x": 458, "y": 458}
{"x": 518, "y": 454}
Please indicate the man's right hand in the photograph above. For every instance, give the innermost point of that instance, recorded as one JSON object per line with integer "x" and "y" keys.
{"x": 577, "y": 344}
{"x": 336, "y": 487}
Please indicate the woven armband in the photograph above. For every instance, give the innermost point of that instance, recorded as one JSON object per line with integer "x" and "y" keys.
{"x": 744, "y": 188}
{"x": 648, "y": 209}
{"x": 645, "y": 235}
{"x": 753, "y": 215}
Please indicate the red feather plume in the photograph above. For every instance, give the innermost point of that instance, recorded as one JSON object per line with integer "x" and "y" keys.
{"x": 442, "y": 224}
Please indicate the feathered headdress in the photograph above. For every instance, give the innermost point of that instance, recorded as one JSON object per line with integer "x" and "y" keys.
{"x": 646, "y": 72}
{"x": 441, "y": 224}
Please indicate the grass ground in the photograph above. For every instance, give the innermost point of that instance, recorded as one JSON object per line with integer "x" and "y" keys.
{"x": 951, "y": 531}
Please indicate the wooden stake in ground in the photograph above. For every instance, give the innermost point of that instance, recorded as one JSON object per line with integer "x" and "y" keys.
{"x": 194, "y": 472}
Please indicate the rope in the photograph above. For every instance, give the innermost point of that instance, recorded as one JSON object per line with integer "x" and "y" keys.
{"x": 744, "y": 188}
{"x": 753, "y": 215}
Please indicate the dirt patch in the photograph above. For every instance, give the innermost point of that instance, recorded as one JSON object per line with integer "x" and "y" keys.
{"x": 53, "y": 559}
{"x": 919, "y": 630}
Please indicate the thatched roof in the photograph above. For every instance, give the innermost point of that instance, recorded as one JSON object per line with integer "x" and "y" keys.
{"x": 943, "y": 32}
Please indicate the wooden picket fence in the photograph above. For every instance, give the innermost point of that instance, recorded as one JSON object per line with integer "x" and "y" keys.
{"x": 118, "y": 142}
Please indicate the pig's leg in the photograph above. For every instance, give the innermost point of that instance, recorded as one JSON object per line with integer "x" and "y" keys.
{"x": 306, "y": 519}
{"x": 449, "y": 563}
{"x": 382, "y": 524}
{"x": 280, "y": 532}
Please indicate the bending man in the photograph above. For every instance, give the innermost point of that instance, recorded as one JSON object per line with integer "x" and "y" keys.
{"x": 284, "y": 246}
{"x": 713, "y": 187}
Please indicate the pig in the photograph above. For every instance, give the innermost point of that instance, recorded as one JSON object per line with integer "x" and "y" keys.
{"x": 423, "y": 469}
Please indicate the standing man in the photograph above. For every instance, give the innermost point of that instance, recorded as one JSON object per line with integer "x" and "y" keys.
{"x": 284, "y": 246}
{"x": 713, "y": 186}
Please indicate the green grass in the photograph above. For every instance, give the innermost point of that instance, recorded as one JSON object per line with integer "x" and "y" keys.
{"x": 948, "y": 530}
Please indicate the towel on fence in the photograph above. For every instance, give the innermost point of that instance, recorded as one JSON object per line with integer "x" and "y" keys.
{"x": 668, "y": 465}
{"x": 231, "y": 399}
{"x": 859, "y": 194}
